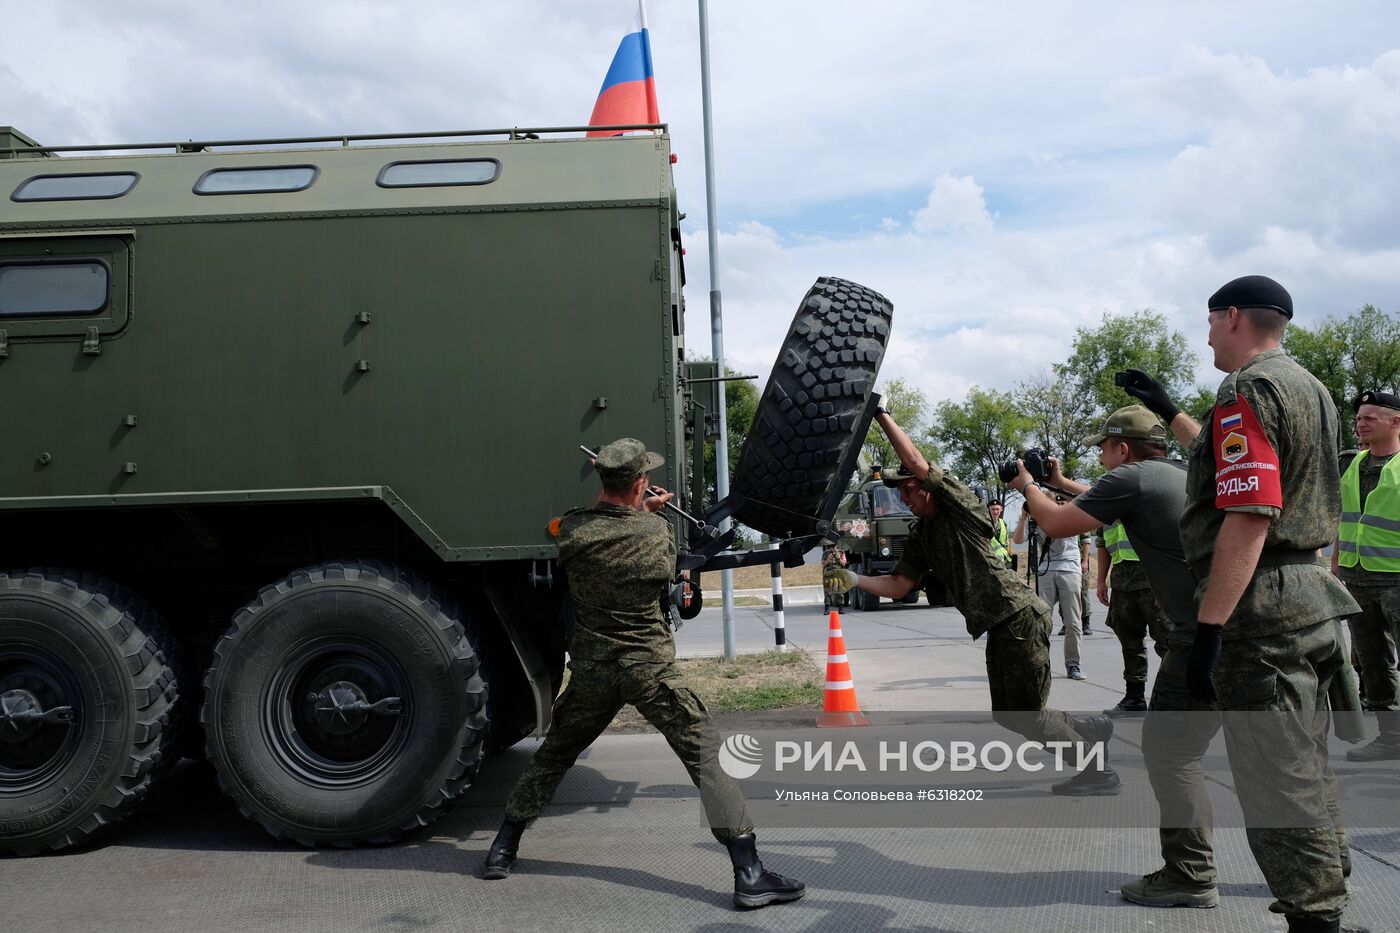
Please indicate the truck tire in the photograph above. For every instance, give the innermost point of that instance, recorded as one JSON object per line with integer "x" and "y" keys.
{"x": 299, "y": 712}
{"x": 809, "y": 413}
{"x": 71, "y": 641}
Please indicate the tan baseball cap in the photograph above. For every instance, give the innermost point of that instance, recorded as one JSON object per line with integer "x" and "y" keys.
{"x": 1130, "y": 423}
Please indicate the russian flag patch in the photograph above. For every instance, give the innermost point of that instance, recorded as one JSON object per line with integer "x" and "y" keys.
{"x": 1233, "y": 421}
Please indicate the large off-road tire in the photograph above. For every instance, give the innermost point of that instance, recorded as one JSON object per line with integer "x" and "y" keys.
{"x": 810, "y": 411}
{"x": 77, "y": 642}
{"x": 285, "y": 705}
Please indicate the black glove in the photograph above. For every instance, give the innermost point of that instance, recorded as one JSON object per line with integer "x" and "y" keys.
{"x": 1149, "y": 391}
{"x": 1200, "y": 664}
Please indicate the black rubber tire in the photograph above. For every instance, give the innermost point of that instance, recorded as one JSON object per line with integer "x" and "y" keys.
{"x": 435, "y": 746}
{"x": 106, "y": 643}
{"x": 865, "y": 602}
{"x": 809, "y": 413}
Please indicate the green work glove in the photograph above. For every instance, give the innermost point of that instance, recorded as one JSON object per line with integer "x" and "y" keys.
{"x": 838, "y": 580}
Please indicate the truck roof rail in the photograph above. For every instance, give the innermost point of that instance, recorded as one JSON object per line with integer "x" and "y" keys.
{"x": 192, "y": 145}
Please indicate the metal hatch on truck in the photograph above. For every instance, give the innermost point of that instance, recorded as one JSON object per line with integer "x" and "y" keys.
{"x": 70, "y": 283}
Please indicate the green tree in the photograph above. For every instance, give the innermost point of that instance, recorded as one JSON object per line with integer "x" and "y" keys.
{"x": 1349, "y": 355}
{"x": 740, "y": 405}
{"x": 980, "y": 434}
{"x": 1058, "y": 415}
{"x": 910, "y": 409}
{"x": 1134, "y": 340}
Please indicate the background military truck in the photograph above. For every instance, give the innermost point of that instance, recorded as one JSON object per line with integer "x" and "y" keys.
{"x": 872, "y": 522}
{"x": 286, "y": 425}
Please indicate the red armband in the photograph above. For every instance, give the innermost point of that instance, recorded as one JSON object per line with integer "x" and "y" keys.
{"x": 1246, "y": 466}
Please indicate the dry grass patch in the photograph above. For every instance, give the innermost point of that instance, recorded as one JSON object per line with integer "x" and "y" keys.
{"x": 755, "y": 578}
{"x": 774, "y": 680}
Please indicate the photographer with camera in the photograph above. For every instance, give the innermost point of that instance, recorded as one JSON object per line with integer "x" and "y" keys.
{"x": 952, "y": 540}
{"x": 1146, "y": 492}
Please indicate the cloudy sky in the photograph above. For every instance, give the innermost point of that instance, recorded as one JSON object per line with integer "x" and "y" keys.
{"x": 1003, "y": 172}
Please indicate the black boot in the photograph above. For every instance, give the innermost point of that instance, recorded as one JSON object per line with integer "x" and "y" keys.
{"x": 1093, "y": 728}
{"x": 1313, "y": 925}
{"x": 502, "y": 855}
{"x": 753, "y": 885}
{"x": 1132, "y": 704}
{"x": 1091, "y": 782}
{"x": 1384, "y": 747}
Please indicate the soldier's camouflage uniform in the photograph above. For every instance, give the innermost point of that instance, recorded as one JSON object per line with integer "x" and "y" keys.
{"x": 955, "y": 546}
{"x": 1134, "y": 616}
{"x": 1280, "y": 647}
{"x": 617, "y": 560}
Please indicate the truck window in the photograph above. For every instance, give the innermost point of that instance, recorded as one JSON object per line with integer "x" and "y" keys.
{"x": 887, "y": 503}
{"x": 259, "y": 180}
{"x": 53, "y": 288}
{"x": 438, "y": 173}
{"x": 77, "y": 187}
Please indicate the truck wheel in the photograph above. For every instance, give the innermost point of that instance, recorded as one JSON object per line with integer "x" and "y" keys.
{"x": 865, "y": 602}
{"x": 810, "y": 411}
{"x": 86, "y": 698}
{"x": 345, "y": 706}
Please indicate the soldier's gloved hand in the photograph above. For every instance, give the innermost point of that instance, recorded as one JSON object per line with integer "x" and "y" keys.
{"x": 1149, "y": 391}
{"x": 881, "y": 405}
{"x": 1200, "y": 663}
{"x": 838, "y": 580}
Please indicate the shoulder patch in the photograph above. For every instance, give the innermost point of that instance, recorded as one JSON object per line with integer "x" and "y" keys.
{"x": 1246, "y": 465}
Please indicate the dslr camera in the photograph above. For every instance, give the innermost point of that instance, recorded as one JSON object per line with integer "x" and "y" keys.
{"x": 1037, "y": 463}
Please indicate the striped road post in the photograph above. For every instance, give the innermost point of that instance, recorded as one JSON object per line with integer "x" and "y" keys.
{"x": 779, "y": 632}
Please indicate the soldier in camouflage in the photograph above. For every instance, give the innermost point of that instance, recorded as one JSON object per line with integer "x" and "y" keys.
{"x": 1263, "y": 495}
{"x": 1133, "y": 614}
{"x": 619, "y": 557}
{"x": 952, "y": 540}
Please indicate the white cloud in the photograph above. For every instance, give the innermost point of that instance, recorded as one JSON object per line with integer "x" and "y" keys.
{"x": 955, "y": 205}
{"x": 1122, "y": 174}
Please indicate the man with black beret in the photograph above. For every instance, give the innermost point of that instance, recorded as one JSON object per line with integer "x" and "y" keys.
{"x": 1263, "y": 495}
{"x": 1367, "y": 560}
{"x": 619, "y": 556}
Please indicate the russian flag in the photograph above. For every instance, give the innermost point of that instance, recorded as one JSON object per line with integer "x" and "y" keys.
{"x": 628, "y": 94}
{"x": 1231, "y": 422}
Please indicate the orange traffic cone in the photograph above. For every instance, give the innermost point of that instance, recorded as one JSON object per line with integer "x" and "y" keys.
{"x": 839, "y": 707}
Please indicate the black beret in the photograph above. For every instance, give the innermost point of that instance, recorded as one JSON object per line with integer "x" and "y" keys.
{"x": 1383, "y": 399}
{"x": 1253, "y": 291}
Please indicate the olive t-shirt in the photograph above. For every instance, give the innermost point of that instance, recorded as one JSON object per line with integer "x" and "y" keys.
{"x": 1148, "y": 497}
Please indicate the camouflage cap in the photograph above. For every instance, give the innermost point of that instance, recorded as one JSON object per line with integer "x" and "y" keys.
{"x": 1383, "y": 399}
{"x": 624, "y": 460}
{"x": 896, "y": 476}
{"x": 1129, "y": 423}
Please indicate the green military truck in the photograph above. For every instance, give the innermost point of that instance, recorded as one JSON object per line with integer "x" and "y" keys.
{"x": 872, "y": 522}
{"x": 287, "y": 422}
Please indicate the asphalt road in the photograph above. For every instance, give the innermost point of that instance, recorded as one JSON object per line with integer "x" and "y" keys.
{"x": 625, "y": 845}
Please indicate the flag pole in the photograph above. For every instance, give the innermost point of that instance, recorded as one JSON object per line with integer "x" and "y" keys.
{"x": 716, "y": 323}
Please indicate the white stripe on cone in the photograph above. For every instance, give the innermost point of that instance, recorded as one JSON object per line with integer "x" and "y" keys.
{"x": 836, "y": 659}
{"x": 840, "y": 685}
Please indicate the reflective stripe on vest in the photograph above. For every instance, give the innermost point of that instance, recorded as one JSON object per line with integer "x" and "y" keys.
{"x": 1115, "y": 538}
{"x": 1370, "y": 536}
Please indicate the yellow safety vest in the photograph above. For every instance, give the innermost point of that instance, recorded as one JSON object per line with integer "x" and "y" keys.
{"x": 1370, "y": 537}
{"x": 1115, "y": 538}
{"x": 999, "y": 541}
